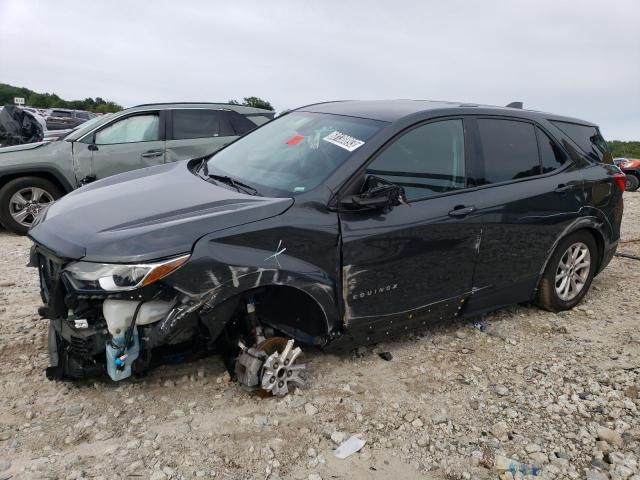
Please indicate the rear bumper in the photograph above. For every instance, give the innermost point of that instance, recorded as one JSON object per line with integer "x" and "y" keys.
{"x": 608, "y": 254}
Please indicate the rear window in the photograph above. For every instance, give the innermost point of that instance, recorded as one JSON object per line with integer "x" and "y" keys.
{"x": 589, "y": 140}
{"x": 195, "y": 123}
{"x": 240, "y": 123}
{"x": 552, "y": 156}
{"x": 510, "y": 150}
{"x": 84, "y": 115}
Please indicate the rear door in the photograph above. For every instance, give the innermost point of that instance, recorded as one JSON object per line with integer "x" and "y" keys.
{"x": 532, "y": 192}
{"x": 196, "y": 132}
{"x": 128, "y": 143}
{"x": 414, "y": 263}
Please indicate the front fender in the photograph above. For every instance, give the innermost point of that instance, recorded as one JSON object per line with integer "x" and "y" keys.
{"x": 218, "y": 270}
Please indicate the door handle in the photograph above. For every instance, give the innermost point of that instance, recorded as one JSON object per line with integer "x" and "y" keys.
{"x": 152, "y": 153}
{"x": 462, "y": 211}
{"x": 562, "y": 188}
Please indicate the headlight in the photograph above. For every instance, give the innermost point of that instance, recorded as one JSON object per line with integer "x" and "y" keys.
{"x": 113, "y": 277}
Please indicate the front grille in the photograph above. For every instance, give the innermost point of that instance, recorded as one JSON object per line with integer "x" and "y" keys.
{"x": 52, "y": 288}
{"x": 80, "y": 347}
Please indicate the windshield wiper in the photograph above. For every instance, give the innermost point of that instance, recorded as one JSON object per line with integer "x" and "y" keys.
{"x": 204, "y": 166}
{"x": 238, "y": 185}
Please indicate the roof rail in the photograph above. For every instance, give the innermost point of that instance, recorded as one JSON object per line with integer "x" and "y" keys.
{"x": 515, "y": 105}
{"x": 194, "y": 103}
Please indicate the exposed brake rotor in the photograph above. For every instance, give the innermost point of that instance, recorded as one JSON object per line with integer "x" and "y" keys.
{"x": 270, "y": 367}
{"x": 279, "y": 369}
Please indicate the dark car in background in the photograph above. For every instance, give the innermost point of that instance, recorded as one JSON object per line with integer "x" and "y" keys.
{"x": 34, "y": 175}
{"x": 60, "y": 118}
{"x": 337, "y": 224}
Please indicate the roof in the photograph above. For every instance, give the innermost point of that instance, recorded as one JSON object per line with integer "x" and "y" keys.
{"x": 392, "y": 110}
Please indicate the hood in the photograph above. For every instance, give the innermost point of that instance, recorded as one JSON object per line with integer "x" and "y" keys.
{"x": 45, "y": 155}
{"x": 24, "y": 146}
{"x": 146, "y": 214}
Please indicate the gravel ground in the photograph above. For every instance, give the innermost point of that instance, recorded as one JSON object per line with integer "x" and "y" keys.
{"x": 559, "y": 392}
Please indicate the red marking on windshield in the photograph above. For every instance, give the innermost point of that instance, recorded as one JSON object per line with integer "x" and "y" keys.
{"x": 296, "y": 139}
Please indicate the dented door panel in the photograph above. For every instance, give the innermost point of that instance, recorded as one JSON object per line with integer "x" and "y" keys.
{"x": 398, "y": 266}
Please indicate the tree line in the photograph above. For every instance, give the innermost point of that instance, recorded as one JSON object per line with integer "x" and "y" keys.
{"x": 624, "y": 149}
{"x": 51, "y": 100}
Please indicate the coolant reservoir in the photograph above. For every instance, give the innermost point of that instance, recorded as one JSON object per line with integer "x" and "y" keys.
{"x": 119, "y": 313}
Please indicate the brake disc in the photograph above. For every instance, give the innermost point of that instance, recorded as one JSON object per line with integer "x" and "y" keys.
{"x": 279, "y": 369}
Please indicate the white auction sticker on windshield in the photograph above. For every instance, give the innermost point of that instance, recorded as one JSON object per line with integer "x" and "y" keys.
{"x": 342, "y": 140}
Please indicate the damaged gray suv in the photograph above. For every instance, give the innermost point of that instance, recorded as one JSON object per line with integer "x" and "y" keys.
{"x": 335, "y": 225}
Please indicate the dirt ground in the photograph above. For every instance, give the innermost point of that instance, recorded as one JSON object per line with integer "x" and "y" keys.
{"x": 558, "y": 392}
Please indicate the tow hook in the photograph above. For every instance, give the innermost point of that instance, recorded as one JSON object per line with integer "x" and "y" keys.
{"x": 270, "y": 366}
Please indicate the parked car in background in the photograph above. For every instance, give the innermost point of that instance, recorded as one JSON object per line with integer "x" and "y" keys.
{"x": 336, "y": 225}
{"x": 55, "y": 135}
{"x": 631, "y": 168}
{"x": 36, "y": 174}
{"x": 60, "y": 118}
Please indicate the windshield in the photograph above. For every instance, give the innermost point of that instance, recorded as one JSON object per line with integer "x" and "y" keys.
{"x": 294, "y": 153}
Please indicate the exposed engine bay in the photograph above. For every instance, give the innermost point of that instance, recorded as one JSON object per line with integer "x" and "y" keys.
{"x": 127, "y": 333}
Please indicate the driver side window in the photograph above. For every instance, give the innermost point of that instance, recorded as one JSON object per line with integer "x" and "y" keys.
{"x": 139, "y": 128}
{"x": 426, "y": 161}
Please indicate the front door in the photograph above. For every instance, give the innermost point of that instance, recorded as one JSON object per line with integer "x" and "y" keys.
{"x": 414, "y": 263}
{"x": 126, "y": 144}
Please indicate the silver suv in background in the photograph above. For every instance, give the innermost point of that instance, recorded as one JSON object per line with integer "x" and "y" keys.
{"x": 36, "y": 174}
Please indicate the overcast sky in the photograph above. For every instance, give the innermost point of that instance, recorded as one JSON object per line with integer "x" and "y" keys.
{"x": 579, "y": 58}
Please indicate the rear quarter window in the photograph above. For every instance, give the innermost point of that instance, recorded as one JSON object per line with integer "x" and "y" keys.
{"x": 589, "y": 139}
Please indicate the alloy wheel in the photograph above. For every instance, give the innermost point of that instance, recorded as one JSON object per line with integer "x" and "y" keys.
{"x": 573, "y": 271}
{"x": 26, "y": 203}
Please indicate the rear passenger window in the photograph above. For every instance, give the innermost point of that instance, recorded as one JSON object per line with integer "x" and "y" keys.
{"x": 510, "y": 150}
{"x": 588, "y": 138}
{"x": 426, "y": 161}
{"x": 551, "y": 155}
{"x": 196, "y": 123}
{"x": 240, "y": 123}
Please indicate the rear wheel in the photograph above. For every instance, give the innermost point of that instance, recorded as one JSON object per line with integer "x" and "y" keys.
{"x": 22, "y": 199}
{"x": 632, "y": 182}
{"x": 569, "y": 272}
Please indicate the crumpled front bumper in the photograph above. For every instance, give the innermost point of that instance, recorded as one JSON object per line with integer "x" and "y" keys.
{"x": 75, "y": 352}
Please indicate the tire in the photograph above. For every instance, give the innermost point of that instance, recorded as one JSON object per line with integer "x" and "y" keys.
{"x": 27, "y": 188}
{"x": 549, "y": 297}
{"x": 632, "y": 183}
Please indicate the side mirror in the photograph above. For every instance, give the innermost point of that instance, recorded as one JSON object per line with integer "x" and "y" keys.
{"x": 377, "y": 194}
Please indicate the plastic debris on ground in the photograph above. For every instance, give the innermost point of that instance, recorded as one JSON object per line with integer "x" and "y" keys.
{"x": 480, "y": 326}
{"x": 504, "y": 464}
{"x": 350, "y": 446}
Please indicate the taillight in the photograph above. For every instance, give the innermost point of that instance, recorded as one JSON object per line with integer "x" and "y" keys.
{"x": 620, "y": 179}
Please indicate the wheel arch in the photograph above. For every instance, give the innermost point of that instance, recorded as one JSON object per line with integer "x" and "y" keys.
{"x": 45, "y": 173}
{"x": 591, "y": 225}
{"x": 293, "y": 311}
{"x": 287, "y": 308}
